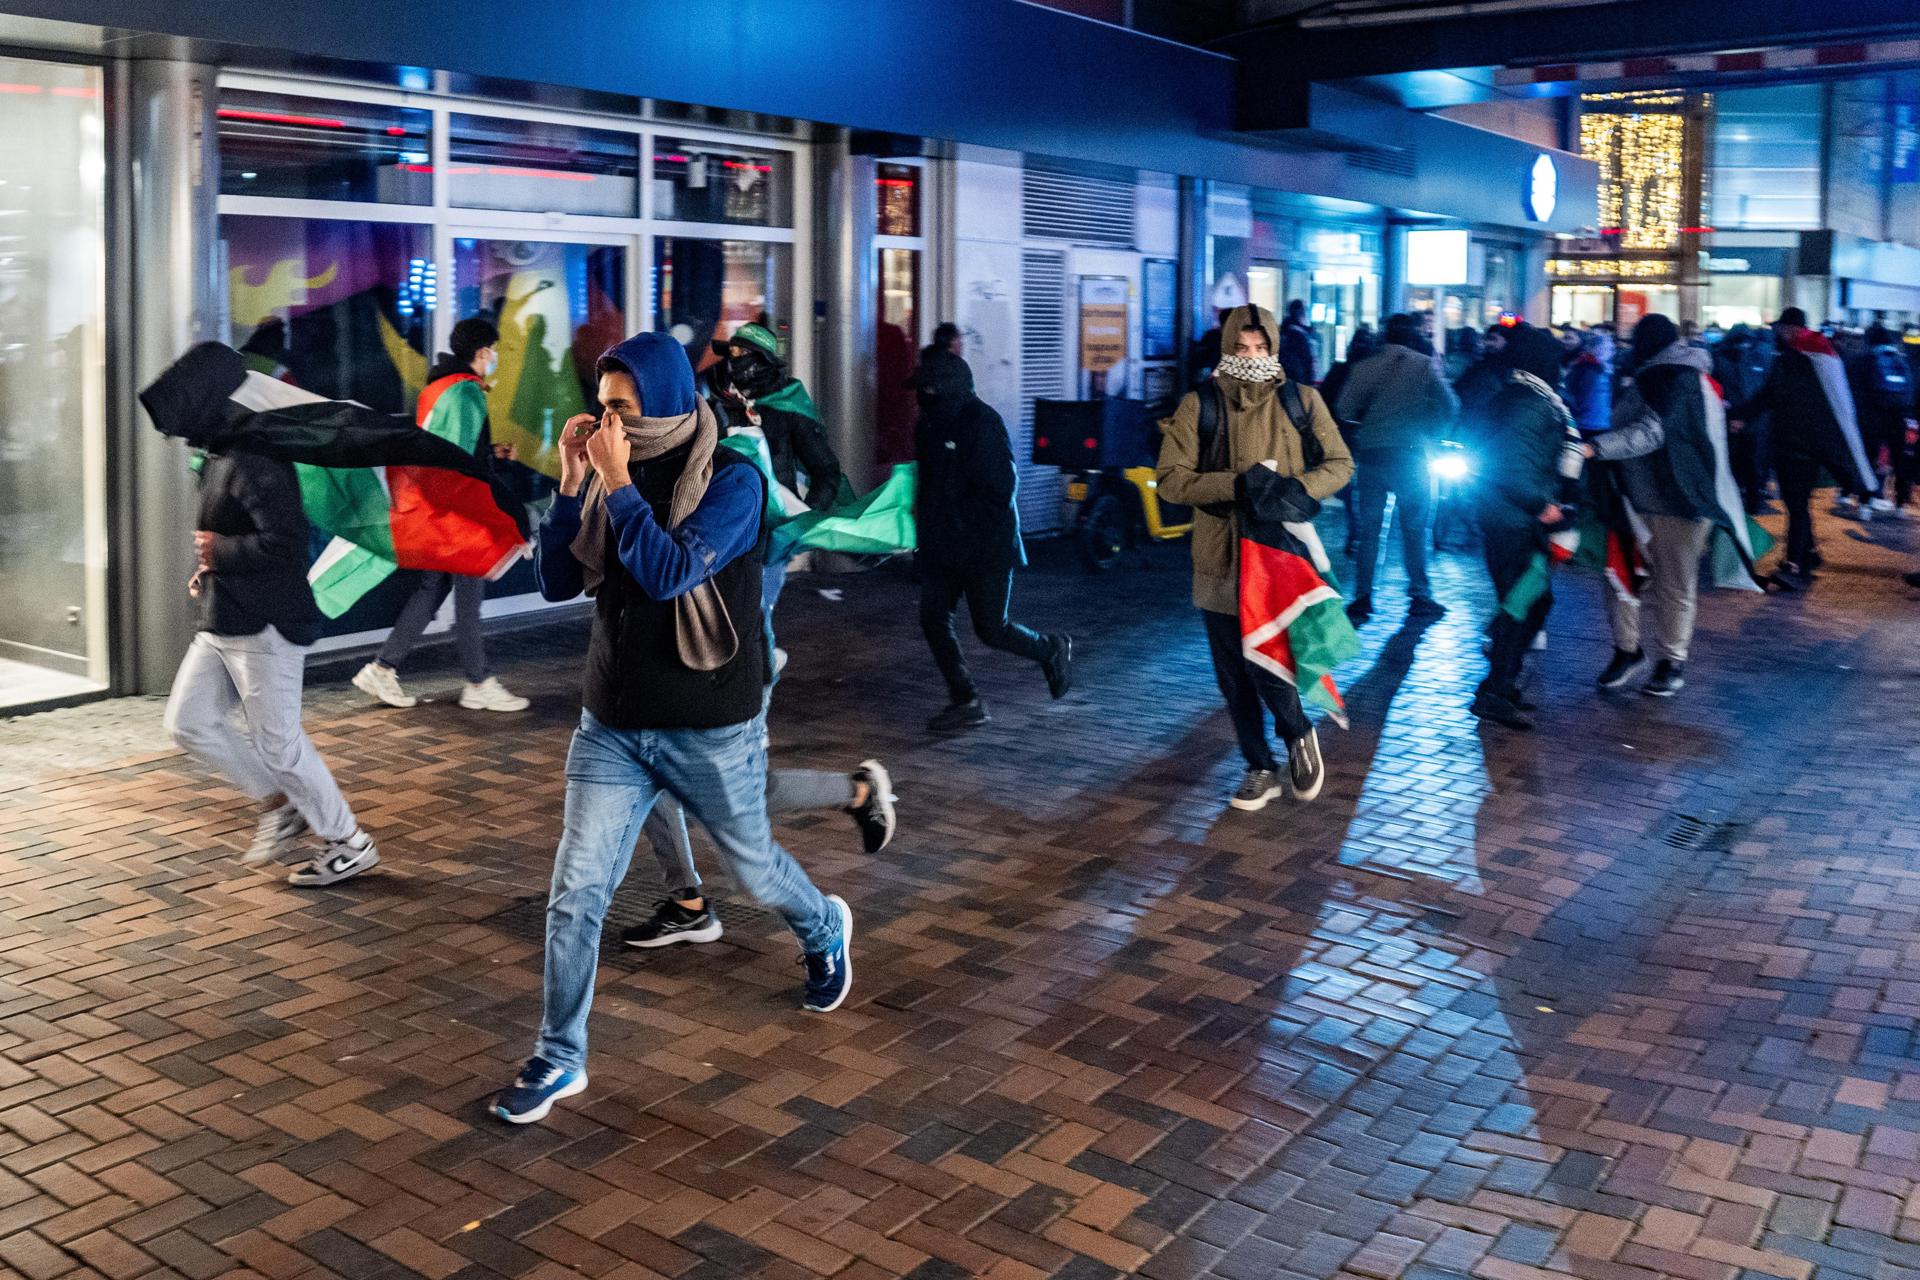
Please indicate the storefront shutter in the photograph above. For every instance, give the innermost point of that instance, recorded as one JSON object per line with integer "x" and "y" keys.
{"x": 1085, "y": 208}
{"x": 1043, "y": 374}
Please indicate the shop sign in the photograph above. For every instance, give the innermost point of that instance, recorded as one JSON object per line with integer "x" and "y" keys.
{"x": 1748, "y": 262}
{"x": 1103, "y": 322}
{"x": 1436, "y": 257}
{"x": 1543, "y": 189}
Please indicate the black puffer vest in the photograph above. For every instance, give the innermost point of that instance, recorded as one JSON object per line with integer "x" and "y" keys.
{"x": 635, "y": 679}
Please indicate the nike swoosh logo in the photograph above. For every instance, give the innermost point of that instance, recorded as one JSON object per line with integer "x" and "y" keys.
{"x": 340, "y": 862}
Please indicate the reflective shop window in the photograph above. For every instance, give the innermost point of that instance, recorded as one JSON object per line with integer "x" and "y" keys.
{"x": 705, "y": 289}
{"x": 896, "y": 189}
{"x": 274, "y": 144}
{"x": 721, "y": 182}
{"x": 723, "y": 118}
{"x": 340, "y": 308}
{"x": 53, "y": 542}
{"x": 557, "y": 306}
{"x": 494, "y": 163}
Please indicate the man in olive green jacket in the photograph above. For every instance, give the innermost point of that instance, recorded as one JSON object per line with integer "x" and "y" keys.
{"x": 1254, "y": 429}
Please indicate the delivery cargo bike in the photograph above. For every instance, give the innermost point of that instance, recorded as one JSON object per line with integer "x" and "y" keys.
{"x": 1108, "y": 448}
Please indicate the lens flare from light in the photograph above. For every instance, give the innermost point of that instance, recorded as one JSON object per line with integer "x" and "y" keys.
{"x": 1451, "y": 467}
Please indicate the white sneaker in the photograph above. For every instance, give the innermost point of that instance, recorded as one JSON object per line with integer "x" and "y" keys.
{"x": 1881, "y": 506}
{"x": 381, "y": 683}
{"x": 491, "y": 695}
{"x": 1540, "y": 642}
{"x": 341, "y": 860}
{"x": 278, "y": 830}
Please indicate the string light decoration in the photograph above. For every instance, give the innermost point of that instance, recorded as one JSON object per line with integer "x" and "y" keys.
{"x": 1641, "y": 154}
{"x": 1612, "y": 268}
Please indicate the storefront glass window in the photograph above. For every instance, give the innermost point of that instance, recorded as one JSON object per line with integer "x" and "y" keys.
{"x": 52, "y": 396}
{"x": 1766, "y": 157}
{"x": 558, "y": 307}
{"x": 897, "y": 196}
{"x": 339, "y": 308}
{"x": 721, "y": 182}
{"x": 1748, "y": 300}
{"x": 1582, "y": 304}
{"x": 498, "y": 163}
{"x": 275, "y": 144}
{"x": 705, "y": 289}
{"x": 895, "y": 346}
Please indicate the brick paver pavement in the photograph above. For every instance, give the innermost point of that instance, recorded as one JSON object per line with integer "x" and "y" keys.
{"x": 1629, "y": 997}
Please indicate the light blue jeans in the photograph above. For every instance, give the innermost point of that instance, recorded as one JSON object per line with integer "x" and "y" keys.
{"x": 614, "y": 776}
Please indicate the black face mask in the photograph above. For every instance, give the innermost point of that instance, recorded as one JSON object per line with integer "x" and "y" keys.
{"x": 753, "y": 374}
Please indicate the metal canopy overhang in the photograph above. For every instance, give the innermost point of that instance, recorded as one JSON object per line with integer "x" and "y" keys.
{"x": 1440, "y": 61}
{"x": 1000, "y": 74}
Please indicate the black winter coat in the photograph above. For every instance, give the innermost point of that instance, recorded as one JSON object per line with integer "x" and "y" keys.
{"x": 259, "y": 576}
{"x": 964, "y": 503}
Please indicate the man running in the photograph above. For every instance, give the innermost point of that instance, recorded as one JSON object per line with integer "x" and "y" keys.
{"x": 663, "y": 538}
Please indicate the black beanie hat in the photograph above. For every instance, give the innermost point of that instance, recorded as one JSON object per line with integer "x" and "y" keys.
{"x": 1652, "y": 335}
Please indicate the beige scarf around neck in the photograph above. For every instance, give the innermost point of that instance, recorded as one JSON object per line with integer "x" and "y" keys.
{"x": 705, "y": 634}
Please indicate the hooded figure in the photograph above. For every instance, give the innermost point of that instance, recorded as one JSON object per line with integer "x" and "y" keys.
{"x": 754, "y": 383}
{"x": 1246, "y": 418}
{"x": 1530, "y": 462}
{"x": 1590, "y": 382}
{"x": 1666, "y": 483}
{"x": 970, "y": 538}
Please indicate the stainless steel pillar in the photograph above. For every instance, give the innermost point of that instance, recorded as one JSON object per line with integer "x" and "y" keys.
{"x": 845, "y": 213}
{"x": 174, "y": 180}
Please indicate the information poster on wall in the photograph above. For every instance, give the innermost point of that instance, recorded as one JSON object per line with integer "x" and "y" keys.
{"x": 1158, "y": 309}
{"x": 1104, "y": 317}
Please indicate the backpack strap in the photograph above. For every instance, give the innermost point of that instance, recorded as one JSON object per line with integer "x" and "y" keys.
{"x": 1211, "y": 453}
{"x": 1312, "y": 452}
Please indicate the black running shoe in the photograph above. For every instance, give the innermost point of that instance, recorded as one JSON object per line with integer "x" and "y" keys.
{"x": 874, "y": 816}
{"x": 960, "y": 717}
{"x": 1256, "y": 789}
{"x": 673, "y": 923}
{"x": 1622, "y": 669}
{"x": 1911, "y": 579}
{"x": 1059, "y": 665}
{"x": 1360, "y": 611}
{"x": 1426, "y": 609}
{"x": 1669, "y": 678}
{"x": 1305, "y": 766}
{"x": 1488, "y": 705}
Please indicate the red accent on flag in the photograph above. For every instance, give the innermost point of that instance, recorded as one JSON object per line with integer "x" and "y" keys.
{"x": 446, "y": 521}
{"x": 430, "y": 396}
{"x": 1273, "y": 583}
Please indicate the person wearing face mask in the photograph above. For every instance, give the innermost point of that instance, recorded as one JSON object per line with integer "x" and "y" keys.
{"x": 660, "y": 526}
{"x": 970, "y": 538}
{"x": 453, "y": 406}
{"x": 1251, "y": 416}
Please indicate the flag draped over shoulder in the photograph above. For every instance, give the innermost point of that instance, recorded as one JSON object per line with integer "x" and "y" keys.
{"x": 876, "y": 523}
{"x": 1292, "y": 621}
{"x": 1846, "y": 453}
{"x": 390, "y": 495}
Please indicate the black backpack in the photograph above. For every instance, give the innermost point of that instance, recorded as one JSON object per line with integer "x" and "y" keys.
{"x": 1890, "y": 378}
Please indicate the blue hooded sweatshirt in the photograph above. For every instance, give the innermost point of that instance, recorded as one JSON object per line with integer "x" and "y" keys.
{"x": 660, "y": 369}
{"x": 665, "y": 563}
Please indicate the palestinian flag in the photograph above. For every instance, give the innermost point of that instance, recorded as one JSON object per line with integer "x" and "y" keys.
{"x": 1292, "y": 620}
{"x": 1842, "y": 451}
{"x": 391, "y": 495}
{"x": 878, "y": 523}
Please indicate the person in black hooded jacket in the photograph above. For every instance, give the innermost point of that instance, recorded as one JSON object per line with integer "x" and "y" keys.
{"x": 970, "y": 538}
{"x": 1524, "y": 437}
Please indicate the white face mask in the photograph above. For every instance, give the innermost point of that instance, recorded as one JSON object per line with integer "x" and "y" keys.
{"x": 493, "y": 363}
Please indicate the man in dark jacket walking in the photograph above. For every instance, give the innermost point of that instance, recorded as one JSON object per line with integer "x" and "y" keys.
{"x": 1740, "y": 367}
{"x": 1813, "y": 425}
{"x": 1398, "y": 403}
{"x": 256, "y": 619}
{"x": 663, "y": 537}
{"x": 453, "y": 406}
{"x": 970, "y": 538}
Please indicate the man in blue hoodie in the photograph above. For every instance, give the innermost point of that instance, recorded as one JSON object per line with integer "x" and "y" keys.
{"x": 660, "y": 525}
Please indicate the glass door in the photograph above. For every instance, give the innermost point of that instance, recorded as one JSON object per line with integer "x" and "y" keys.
{"x": 53, "y": 554}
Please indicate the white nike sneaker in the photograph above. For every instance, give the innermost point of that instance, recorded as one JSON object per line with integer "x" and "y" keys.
{"x": 278, "y": 830}
{"x": 381, "y": 683}
{"x": 342, "y": 860}
{"x": 491, "y": 695}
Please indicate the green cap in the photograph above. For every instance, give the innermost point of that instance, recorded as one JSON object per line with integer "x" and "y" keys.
{"x": 752, "y": 335}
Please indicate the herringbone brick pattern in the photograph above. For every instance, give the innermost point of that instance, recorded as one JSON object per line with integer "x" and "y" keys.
{"x": 1630, "y": 997}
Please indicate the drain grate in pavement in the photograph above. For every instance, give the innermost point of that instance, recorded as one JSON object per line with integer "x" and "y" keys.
{"x": 1688, "y": 832}
{"x": 526, "y": 918}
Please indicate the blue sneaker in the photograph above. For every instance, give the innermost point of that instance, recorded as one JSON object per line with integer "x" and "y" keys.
{"x": 541, "y": 1084}
{"x": 830, "y": 972}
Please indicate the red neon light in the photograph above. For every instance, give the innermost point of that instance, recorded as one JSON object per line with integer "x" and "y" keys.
{"x": 1091, "y": 443}
{"x": 497, "y": 170}
{"x": 741, "y": 164}
{"x": 19, "y": 88}
{"x": 672, "y": 159}
{"x": 893, "y": 182}
{"x": 1696, "y": 231}
{"x": 74, "y": 91}
{"x": 280, "y": 117}
{"x": 396, "y": 131}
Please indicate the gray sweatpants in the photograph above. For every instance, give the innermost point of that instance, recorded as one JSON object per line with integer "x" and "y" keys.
{"x": 417, "y": 613}
{"x": 788, "y": 791}
{"x": 1673, "y": 551}
{"x": 260, "y": 677}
